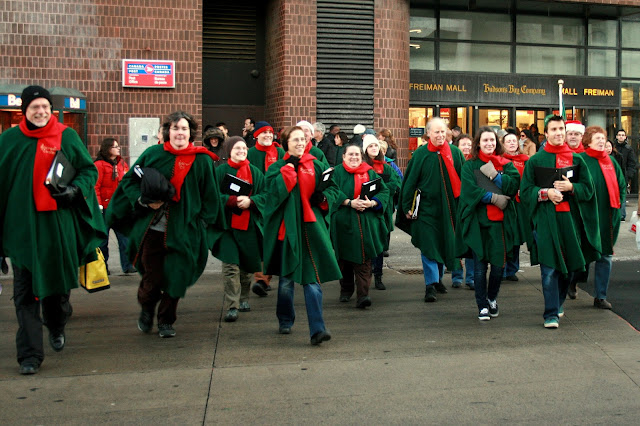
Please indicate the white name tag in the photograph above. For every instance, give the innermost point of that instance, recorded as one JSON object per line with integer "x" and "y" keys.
{"x": 59, "y": 170}
{"x": 569, "y": 174}
{"x": 234, "y": 187}
{"x": 373, "y": 187}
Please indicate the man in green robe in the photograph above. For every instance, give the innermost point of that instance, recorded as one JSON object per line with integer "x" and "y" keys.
{"x": 434, "y": 171}
{"x": 560, "y": 211}
{"x": 47, "y": 235}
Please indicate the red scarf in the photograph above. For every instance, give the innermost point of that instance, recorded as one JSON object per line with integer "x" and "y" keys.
{"x": 579, "y": 149}
{"x": 306, "y": 184}
{"x": 468, "y": 156}
{"x": 49, "y": 142}
{"x": 445, "y": 151}
{"x": 183, "y": 162}
{"x": 243, "y": 168}
{"x": 494, "y": 213}
{"x": 271, "y": 154}
{"x": 609, "y": 173}
{"x": 564, "y": 158}
{"x": 378, "y": 166}
{"x": 518, "y": 161}
{"x": 308, "y": 147}
{"x": 360, "y": 176}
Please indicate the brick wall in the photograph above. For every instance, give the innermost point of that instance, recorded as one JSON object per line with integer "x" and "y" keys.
{"x": 290, "y": 62}
{"x": 391, "y": 72}
{"x": 80, "y": 44}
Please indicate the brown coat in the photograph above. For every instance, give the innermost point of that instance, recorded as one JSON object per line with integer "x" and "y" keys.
{"x": 529, "y": 147}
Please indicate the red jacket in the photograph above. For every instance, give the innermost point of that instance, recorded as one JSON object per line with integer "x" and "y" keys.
{"x": 107, "y": 183}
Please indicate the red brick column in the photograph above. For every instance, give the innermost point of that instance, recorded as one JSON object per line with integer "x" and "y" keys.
{"x": 391, "y": 72}
{"x": 290, "y": 62}
{"x": 80, "y": 45}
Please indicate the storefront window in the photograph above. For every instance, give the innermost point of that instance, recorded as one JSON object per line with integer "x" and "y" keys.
{"x": 549, "y": 60}
{"x": 495, "y": 118}
{"x": 602, "y": 62}
{"x": 630, "y": 61}
{"x": 631, "y": 34}
{"x": 422, "y": 23}
{"x": 475, "y": 26}
{"x": 475, "y": 57}
{"x": 603, "y": 33}
{"x": 630, "y": 94}
{"x": 422, "y": 56}
{"x": 549, "y": 30}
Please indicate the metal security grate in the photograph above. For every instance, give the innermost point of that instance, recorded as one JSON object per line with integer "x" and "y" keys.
{"x": 229, "y": 31}
{"x": 345, "y": 36}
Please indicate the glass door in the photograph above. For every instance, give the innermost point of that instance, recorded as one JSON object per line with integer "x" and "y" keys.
{"x": 493, "y": 117}
{"x": 418, "y": 117}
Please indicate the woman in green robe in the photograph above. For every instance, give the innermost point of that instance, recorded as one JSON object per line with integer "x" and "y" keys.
{"x": 240, "y": 245}
{"x": 170, "y": 231}
{"x": 374, "y": 157}
{"x": 358, "y": 228}
{"x": 296, "y": 239}
{"x": 487, "y": 221}
{"x": 610, "y": 187}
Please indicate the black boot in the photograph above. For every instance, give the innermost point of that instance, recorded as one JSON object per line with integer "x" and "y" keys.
{"x": 573, "y": 291}
{"x": 430, "y": 294}
{"x": 440, "y": 288}
{"x": 378, "y": 283}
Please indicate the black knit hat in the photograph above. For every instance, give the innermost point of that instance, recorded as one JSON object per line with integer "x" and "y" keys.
{"x": 30, "y": 93}
{"x": 229, "y": 143}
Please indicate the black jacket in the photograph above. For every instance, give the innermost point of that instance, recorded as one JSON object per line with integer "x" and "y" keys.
{"x": 629, "y": 163}
{"x": 329, "y": 147}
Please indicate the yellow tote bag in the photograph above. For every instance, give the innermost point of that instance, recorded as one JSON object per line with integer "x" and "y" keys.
{"x": 93, "y": 276}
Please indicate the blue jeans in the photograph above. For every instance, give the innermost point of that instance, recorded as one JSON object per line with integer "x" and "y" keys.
{"x": 602, "y": 274}
{"x": 312, "y": 298}
{"x": 433, "y": 271}
{"x": 458, "y": 274}
{"x": 485, "y": 292}
{"x": 623, "y": 211}
{"x": 376, "y": 265}
{"x": 513, "y": 264}
{"x": 123, "y": 243}
{"x": 554, "y": 289}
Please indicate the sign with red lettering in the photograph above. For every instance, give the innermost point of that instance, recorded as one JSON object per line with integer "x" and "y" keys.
{"x": 148, "y": 73}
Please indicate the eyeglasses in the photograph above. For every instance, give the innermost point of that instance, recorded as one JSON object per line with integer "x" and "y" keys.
{"x": 523, "y": 135}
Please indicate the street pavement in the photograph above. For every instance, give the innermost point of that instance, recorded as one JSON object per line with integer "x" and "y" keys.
{"x": 402, "y": 361}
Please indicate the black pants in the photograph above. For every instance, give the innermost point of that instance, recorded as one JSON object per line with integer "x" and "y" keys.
{"x": 56, "y": 310}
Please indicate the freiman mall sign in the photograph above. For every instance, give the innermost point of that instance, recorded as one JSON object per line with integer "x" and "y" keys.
{"x": 509, "y": 90}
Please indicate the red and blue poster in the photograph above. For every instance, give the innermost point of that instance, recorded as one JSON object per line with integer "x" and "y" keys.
{"x": 148, "y": 73}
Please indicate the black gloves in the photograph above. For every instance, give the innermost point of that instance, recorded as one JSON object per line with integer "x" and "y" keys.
{"x": 293, "y": 160}
{"x": 316, "y": 198}
{"x": 67, "y": 197}
{"x": 155, "y": 187}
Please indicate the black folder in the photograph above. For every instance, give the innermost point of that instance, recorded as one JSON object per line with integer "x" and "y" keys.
{"x": 545, "y": 176}
{"x": 485, "y": 183}
{"x": 60, "y": 174}
{"x": 233, "y": 185}
{"x": 371, "y": 188}
{"x": 325, "y": 179}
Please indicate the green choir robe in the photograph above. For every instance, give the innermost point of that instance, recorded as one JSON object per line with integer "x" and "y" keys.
{"x": 393, "y": 182}
{"x": 50, "y": 244}
{"x": 236, "y": 246}
{"x": 491, "y": 241}
{"x": 317, "y": 152}
{"x": 192, "y": 222}
{"x": 257, "y": 157}
{"x": 306, "y": 255}
{"x": 609, "y": 218}
{"x": 433, "y": 232}
{"x": 564, "y": 241}
{"x": 357, "y": 236}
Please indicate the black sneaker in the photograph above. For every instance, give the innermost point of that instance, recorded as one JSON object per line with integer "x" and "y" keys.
{"x": 231, "y": 316}
{"x": 483, "y": 314}
{"x": 378, "y": 283}
{"x": 344, "y": 298}
{"x": 56, "y": 340}
{"x": 430, "y": 294}
{"x": 493, "y": 308}
{"x": 440, "y": 288}
{"x": 319, "y": 337}
{"x": 145, "y": 321}
{"x": 166, "y": 330}
{"x": 260, "y": 288}
{"x": 363, "y": 302}
{"x": 29, "y": 367}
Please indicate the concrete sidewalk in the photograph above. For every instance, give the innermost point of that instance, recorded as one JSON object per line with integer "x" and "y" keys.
{"x": 402, "y": 361}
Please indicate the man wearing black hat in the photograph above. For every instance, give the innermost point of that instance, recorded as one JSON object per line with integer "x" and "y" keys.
{"x": 46, "y": 234}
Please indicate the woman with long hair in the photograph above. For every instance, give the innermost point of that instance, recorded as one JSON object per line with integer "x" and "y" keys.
{"x": 297, "y": 246}
{"x": 387, "y": 136}
{"x": 111, "y": 169}
{"x": 487, "y": 217}
{"x": 375, "y": 158}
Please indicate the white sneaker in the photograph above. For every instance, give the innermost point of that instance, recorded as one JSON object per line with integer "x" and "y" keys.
{"x": 484, "y": 315}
